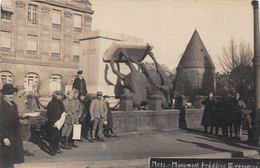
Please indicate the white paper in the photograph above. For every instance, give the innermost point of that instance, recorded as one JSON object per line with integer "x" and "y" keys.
{"x": 61, "y": 121}
{"x": 76, "y": 131}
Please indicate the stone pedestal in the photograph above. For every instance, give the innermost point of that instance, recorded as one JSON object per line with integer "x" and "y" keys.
{"x": 126, "y": 103}
{"x": 92, "y": 49}
{"x": 155, "y": 102}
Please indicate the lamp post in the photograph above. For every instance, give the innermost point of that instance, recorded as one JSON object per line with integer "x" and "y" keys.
{"x": 256, "y": 61}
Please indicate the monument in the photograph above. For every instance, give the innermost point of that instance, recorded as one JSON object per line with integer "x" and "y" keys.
{"x": 145, "y": 86}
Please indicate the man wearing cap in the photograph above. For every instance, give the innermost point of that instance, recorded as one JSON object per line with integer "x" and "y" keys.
{"x": 55, "y": 109}
{"x": 11, "y": 141}
{"x": 98, "y": 114}
{"x": 20, "y": 101}
{"x": 80, "y": 84}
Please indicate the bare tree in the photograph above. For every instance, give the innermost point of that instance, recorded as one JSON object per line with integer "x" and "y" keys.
{"x": 235, "y": 55}
{"x": 236, "y": 62}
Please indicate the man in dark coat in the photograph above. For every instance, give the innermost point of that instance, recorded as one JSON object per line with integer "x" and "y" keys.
{"x": 226, "y": 115}
{"x": 216, "y": 115}
{"x": 10, "y": 131}
{"x": 207, "y": 115}
{"x": 80, "y": 84}
{"x": 55, "y": 109}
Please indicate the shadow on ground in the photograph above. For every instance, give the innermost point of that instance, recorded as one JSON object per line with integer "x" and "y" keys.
{"x": 219, "y": 139}
{"x": 40, "y": 138}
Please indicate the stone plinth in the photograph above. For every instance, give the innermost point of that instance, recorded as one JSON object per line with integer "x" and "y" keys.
{"x": 155, "y": 102}
{"x": 147, "y": 120}
{"x": 92, "y": 50}
{"x": 126, "y": 103}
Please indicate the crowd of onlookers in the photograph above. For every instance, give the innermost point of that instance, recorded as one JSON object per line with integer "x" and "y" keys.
{"x": 230, "y": 113}
{"x": 70, "y": 117}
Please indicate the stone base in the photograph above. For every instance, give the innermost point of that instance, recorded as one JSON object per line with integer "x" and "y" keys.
{"x": 146, "y": 120}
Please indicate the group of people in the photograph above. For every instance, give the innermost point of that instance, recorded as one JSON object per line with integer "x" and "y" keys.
{"x": 76, "y": 108}
{"x": 63, "y": 112}
{"x": 228, "y": 113}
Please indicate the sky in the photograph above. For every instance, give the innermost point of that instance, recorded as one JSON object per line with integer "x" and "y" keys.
{"x": 169, "y": 24}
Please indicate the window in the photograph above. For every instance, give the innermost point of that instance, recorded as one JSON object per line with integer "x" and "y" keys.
{"x": 6, "y": 10}
{"x": 32, "y": 43}
{"x": 55, "y": 83}
{"x": 55, "y": 48}
{"x": 56, "y": 18}
{"x": 77, "y": 22}
{"x": 5, "y": 40}
{"x": 5, "y": 15}
{"x": 32, "y": 14}
{"x": 6, "y": 77}
{"x": 31, "y": 83}
{"x": 76, "y": 51}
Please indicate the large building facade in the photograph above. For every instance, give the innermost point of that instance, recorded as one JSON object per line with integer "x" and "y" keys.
{"x": 39, "y": 42}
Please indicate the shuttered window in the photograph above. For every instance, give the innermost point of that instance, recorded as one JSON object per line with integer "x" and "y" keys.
{"x": 56, "y": 48}
{"x": 56, "y": 17}
{"x": 32, "y": 43}
{"x": 77, "y": 21}
{"x": 76, "y": 50}
{"x": 5, "y": 39}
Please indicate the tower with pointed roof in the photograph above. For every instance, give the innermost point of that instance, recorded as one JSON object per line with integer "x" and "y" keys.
{"x": 195, "y": 71}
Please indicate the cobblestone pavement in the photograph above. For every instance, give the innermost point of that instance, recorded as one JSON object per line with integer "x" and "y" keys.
{"x": 134, "y": 150}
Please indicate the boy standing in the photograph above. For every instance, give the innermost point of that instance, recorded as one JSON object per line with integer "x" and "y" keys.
{"x": 98, "y": 114}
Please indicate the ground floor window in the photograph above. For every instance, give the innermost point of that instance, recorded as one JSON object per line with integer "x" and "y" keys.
{"x": 55, "y": 83}
{"x": 31, "y": 83}
{"x": 6, "y": 78}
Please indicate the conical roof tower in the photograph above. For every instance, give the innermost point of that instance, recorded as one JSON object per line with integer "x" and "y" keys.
{"x": 195, "y": 55}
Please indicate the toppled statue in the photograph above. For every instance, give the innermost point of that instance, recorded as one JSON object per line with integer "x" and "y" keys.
{"x": 140, "y": 84}
{"x": 135, "y": 82}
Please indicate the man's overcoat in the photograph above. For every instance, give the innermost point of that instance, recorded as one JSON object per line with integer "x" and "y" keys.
{"x": 10, "y": 128}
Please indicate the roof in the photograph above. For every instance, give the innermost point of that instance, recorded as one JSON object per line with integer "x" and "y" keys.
{"x": 196, "y": 55}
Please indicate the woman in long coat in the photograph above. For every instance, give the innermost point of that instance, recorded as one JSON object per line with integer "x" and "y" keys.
{"x": 11, "y": 148}
{"x": 216, "y": 115}
{"x": 207, "y": 115}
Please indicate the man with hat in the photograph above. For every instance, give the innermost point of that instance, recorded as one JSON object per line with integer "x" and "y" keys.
{"x": 55, "y": 109}
{"x": 80, "y": 84}
{"x": 20, "y": 100}
{"x": 11, "y": 141}
{"x": 98, "y": 114}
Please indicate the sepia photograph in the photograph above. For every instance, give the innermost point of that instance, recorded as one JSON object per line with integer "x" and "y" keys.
{"x": 129, "y": 84}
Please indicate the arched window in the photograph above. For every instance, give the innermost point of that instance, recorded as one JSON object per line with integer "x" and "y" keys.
{"x": 55, "y": 83}
{"x": 31, "y": 83}
{"x": 6, "y": 77}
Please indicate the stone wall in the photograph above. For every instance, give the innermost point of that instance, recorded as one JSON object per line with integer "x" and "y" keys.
{"x": 124, "y": 122}
{"x": 148, "y": 120}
